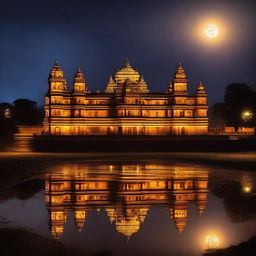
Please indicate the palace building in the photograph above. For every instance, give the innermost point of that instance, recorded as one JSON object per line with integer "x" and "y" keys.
{"x": 126, "y": 107}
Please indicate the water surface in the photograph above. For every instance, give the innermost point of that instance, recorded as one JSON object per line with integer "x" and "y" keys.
{"x": 137, "y": 208}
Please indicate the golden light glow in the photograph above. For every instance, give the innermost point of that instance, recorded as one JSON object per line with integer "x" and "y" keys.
{"x": 213, "y": 237}
{"x": 212, "y": 241}
{"x": 212, "y": 30}
{"x": 139, "y": 189}
{"x": 247, "y": 184}
{"x": 247, "y": 115}
{"x": 247, "y": 189}
{"x": 7, "y": 113}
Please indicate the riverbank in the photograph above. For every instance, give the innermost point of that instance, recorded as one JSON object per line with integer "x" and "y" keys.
{"x": 15, "y": 242}
{"x": 195, "y": 143}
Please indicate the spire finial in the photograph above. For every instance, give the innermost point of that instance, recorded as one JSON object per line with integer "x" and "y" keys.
{"x": 142, "y": 80}
{"x": 111, "y": 80}
{"x": 79, "y": 73}
{"x": 128, "y": 239}
{"x": 180, "y": 66}
{"x": 127, "y": 62}
{"x": 56, "y": 66}
{"x": 200, "y": 86}
{"x": 180, "y": 73}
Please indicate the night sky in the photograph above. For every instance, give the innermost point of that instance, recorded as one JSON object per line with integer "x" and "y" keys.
{"x": 99, "y": 35}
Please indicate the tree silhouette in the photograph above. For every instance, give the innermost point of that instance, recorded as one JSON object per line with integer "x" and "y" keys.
{"x": 238, "y": 98}
{"x": 8, "y": 125}
{"x": 26, "y": 112}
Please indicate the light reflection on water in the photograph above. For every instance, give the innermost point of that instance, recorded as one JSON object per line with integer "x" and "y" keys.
{"x": 138, "y": 208}
{"x": 125, "y": 193}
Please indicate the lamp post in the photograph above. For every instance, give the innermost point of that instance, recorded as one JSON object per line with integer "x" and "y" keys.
{"x": 247, "y": 116}
{"x": 7, "y": 113}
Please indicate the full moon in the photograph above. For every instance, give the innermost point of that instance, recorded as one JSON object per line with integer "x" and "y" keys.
{"x": 211, "y": 31}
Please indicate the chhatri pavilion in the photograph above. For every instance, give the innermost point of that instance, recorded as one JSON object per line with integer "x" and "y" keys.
{"x": 126, "y": 107}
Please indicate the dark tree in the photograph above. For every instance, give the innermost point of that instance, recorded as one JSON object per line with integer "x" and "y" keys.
{"x": 238, "y": 99}
{"x": 218, "y": 115}
{"x": 26, "y": 112}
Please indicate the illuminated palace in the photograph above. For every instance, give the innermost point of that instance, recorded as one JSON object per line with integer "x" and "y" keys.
{"x": 126, "y": 107}
{"x": 124, "y": 192}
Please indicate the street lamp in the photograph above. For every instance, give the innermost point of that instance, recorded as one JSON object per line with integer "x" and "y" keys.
{"x": 7, "y": 113}
{"x": 247, "y": 115}
{"x": 247, "y": 189}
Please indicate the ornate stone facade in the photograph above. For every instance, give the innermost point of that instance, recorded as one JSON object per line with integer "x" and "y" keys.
{"x": 126, "y": 107}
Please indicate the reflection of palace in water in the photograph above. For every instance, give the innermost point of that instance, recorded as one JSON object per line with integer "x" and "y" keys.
{"x": 125, "y": 192}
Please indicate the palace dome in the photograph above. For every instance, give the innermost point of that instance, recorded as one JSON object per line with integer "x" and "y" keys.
{"x": 127, "y": 221}
{"x": 126, "y": 79}
{"x": 128, "y": 226}
{"x": 127, "y": 72}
